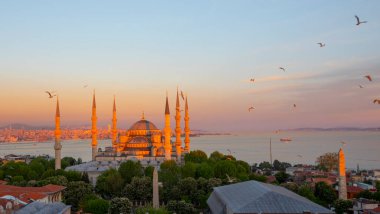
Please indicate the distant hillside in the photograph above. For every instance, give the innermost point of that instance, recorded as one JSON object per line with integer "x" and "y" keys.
{"x": 25, "y": 127}
{"x": 336, "y": 129}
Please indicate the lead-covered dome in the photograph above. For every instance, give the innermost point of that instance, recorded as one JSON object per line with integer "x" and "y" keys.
{"x": 143, "y": 125}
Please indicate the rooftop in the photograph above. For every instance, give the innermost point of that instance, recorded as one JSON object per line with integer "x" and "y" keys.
{"x": 257, "y": 197}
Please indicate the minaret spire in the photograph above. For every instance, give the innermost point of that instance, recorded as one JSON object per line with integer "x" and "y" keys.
{"x": 114, "y": 128}
{"x": 342, "y": 187}
{"x": 187, "y": 128}
{"x": 94, "y": 130}
{"x": 167, "y": 131}
{"x": 57, "y": 134}
{"x": 178, "y": 141}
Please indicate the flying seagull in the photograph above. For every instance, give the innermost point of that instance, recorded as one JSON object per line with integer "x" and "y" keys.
{"x": 376, "y": 101}
{"x": 250, "y": 108}
{"x": 85, "y": 86}
{"x": 343, "y": 143}
{"x": 282, "y": 68}
{"x": 321, "y": 45}
{"x": 300, "y": 156}
{"x": 252, "y": 80}
{"x": 360, "y": 86}
{"x": 183, "y": 96}
{"x": 358, "y": 22}
{"x": 229, "y": 151}
{"x": 50, "y": 94}
{"x": 230, "y": 180}
{"x": 294, "y": 105}
{"x": 368, "y": 77}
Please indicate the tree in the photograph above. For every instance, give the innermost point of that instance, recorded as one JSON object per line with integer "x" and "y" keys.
{"x": 140, "y": 189}
{"x": 120, "y": 206}
{"x": 280, "y": 166}
{"x": 72, "y": 175}
{"x": 328, "y": 161}
{"x": 307, "y": 192}
{"x": 75, "y": 191}
{"x": 130, "y": 169}
{"x": 109, "y": 184}
{"x": 181, "y": 207}
{"x": 213, "y": 182}
{"x": 281, "y": 177}
{"x": 196, "y": 156}
{"x": 96, "y": 206}
{"x": 257, "y": 177}
{"x": 189, "y": 170}
{"x": 149, "y": 209}
{"x": 216, "y": 156}
{"x": 224, "y": 168}
{"x": 325, "y": 193}
{"x": 365, "y": 194}
{"x": 290, "y": 186}
{"x": 149, "y": 171}
{"x": 265, "y": 165}
{"x": 57, "y": 180}
{"x": 204, "y": 170}
{"x": 85, "y": 177}
{"x": 188, "y": 188}
{"x": 342, "y": 206}
{"x": 70, "y": 160}
{"x": 169, "y": 173}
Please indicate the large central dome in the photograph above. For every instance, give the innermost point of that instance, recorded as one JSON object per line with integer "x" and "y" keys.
{"x": 143, "y": 125}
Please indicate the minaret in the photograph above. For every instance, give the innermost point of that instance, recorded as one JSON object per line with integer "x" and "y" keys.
{"x": 187, "y": 128}
{"x": 342, "y": 176}
{"x": 156, "y": 201}
{"x": 94, "y": 131}
{"x": 57, "y": 133}
{"x": 167, "y": 131}
{"x": 114, "y": 129}
{"x": 178, "y": 141}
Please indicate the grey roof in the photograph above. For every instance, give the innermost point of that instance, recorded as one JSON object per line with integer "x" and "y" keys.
{"x": 257, "y": 197}
{"x": 43, "y": 208}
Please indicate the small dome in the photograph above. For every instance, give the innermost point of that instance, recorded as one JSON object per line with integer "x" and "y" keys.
{"x": 143, "y": 125}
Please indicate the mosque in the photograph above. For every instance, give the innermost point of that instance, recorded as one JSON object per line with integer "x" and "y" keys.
{"x": 142, "y": 142}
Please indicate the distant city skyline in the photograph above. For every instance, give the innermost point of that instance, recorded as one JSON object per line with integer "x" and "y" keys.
{"x": 210, "y": 49}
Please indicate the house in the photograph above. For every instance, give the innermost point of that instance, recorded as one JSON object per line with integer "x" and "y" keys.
{"x": 258, "y": 197}
{"x": 45, "y": 208}
{"x": 48, "y": 194}
{"x": 362, "y": 206}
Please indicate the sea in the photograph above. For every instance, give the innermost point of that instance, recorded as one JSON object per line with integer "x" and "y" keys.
{"x": 361, "y": 148}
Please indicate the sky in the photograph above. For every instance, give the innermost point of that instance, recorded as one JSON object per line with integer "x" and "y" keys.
{"x": 139, "y": 50}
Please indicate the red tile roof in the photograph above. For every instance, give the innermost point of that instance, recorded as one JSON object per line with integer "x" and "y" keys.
{"x": 27, "y": 194}
{"x": 354, "y": 189}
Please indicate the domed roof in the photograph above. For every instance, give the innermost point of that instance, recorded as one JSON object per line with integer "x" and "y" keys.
{"x": 138, "y": 140}
{"x": 143, "y": 125}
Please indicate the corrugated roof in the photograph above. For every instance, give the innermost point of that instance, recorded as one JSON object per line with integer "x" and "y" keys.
{"x": 257, "y": 197}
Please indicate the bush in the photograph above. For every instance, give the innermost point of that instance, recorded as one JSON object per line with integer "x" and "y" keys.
{"x": 149, "y": 209}
{"x": 181, "y": 207}
{"x": 120, "y": 206}
{"x": 96, "y": 206}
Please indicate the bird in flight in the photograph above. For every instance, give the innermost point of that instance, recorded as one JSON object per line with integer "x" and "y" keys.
{"x": 360, "y": 86}
{"x": 85, "y": 86}
{"x": 282, "y": 68}
{"x": 376, "y": 101}
{"x": 230, "y": 180}
{"x": 252, "y": 80}
{"x": 300, "y": 156}
{"x": 321, "y": 45}
{"x": 368, "y": 77}
{"x": 251, "y": 108}
{"x": 343, "y": 143}
{"x": 294, "y": 106}
{"x": 50, "y": 94}
{"x": 183, "y": 96}
{"x": 358, "y": 22}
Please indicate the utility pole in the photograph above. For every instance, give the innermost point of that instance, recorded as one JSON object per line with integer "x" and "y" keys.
{"x": 270, "y": 150}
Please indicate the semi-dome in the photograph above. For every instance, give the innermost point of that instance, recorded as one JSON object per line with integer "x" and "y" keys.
{"x": 143, "y": 125}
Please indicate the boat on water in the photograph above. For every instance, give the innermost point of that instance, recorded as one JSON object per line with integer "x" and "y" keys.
{"x": 286, "y": 139}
